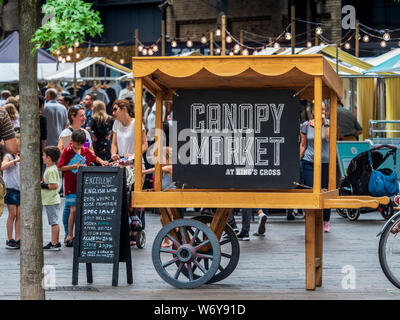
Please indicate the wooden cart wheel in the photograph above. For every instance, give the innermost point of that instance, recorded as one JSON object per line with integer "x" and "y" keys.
{"x": 185, "y": 255}
{"x": 230, "y": 251}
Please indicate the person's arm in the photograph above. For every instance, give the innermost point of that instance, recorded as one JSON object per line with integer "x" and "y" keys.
{"x": 101, "y": 161}
{"x": 71, "y": 167}
{"x": 144, "y": 142}
{"x": 326, "y": 128}
{"x": 8, "y": 163}
{"x": 50, "y": 186}
{"x": 303, "y": 145}
{"x": 60, "y": 145}
{"x": 114, "y": 147}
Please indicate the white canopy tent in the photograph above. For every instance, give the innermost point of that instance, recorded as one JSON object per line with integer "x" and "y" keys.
{"x": 9, "y": 60}
{"x": 83, "y": 70}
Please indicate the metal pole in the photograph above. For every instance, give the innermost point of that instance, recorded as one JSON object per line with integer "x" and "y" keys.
{"x": 163, "y": 37}
{"x": 357, "y": 41}
{"x": 75, "y": 90}
{"x": 136, "y": 42}
{"x": 293, "y": 27}
{"x": 211, "y": 43}
{"x": 223, "y": 35}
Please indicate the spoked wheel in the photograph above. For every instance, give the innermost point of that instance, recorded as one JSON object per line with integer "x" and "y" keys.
{"x": 183, "y": 264}
{"x": 389, "y": 251}
{"x": 230, "y": 251}
{"x": 352, "y": 214}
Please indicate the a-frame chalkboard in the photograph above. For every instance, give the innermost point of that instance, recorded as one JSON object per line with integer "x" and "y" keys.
{"x": 101, "y": 223}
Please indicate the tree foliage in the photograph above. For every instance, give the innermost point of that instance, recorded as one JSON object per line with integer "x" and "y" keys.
{"x": 65, "y": 22}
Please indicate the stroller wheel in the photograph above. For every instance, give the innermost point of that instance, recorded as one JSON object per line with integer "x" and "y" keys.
{"x": 386, "y": 211}
{"x": 352, "y": 214}
{"x": 342, "y": 213}
{"x": 140, "y": 239}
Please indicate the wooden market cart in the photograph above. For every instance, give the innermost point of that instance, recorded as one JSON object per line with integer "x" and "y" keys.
{"x": 312, "y": 78}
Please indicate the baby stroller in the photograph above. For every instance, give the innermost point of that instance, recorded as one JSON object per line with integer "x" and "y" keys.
{"x": 357, "y": 178}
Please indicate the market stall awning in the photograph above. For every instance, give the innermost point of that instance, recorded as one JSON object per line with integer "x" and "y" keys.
{"x": 68, "y": 73}
{"x": 391, "y": 65}
{"x": 294, "y": 72}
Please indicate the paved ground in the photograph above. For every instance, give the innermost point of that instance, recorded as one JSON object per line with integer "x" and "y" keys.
{"x": 270, "y": 267}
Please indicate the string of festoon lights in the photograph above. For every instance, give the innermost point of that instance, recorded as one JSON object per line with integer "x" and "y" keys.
{"x": 239, "y": 47}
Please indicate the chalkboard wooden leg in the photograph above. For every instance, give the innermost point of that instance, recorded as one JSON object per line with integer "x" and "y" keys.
{"x": 115, "y": 274}
{"x": 89, "y": 273}
{"x": 75, "y": 270}
{"x": 129, "y": 271}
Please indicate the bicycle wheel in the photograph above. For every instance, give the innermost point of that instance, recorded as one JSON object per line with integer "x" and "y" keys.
{"x": 389, "y": 251}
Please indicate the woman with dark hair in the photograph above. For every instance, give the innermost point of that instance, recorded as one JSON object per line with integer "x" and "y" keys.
{"x": 123, "y": 141}
{"x": 76, "y": 117}
{"x": 100, "y": 126}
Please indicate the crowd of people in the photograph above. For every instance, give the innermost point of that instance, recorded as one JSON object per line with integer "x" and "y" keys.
{"x": 101, "y": 130}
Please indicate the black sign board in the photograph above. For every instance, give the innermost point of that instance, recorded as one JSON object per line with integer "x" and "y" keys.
{"x": 236, "y": 139}
{"x": 101, "y": 223}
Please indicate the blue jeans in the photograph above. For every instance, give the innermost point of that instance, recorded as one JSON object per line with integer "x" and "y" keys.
{"x": 65, "y": 218}
{"x": 308, "y": 178}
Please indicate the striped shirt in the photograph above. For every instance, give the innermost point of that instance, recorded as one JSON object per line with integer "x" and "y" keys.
{"x": 6, "y": 131}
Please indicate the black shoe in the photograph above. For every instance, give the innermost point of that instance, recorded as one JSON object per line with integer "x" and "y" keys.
{"x": 243, "y": 236}
{"x": 51, "y": 247}
{"x": 290, "y": 215}
{"x": 261, "y": 223}
{"x": 12, "y": 244}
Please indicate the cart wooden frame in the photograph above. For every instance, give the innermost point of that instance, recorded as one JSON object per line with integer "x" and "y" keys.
{"x": 309, "y": 75}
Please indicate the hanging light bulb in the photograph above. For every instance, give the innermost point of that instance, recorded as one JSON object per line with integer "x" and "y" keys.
{"x": 115, "y": 48}
{"x": 78, "y": 55}
{"x": 68, "y": 58}
{"x": 309, "y": 44}
{"x": 254, "y": 52}
{"x": 383, "y": 43}
{"x": 63, "y": 60}
{"x": 77, "y": 44}
{"x": 70, "y": 50}
{"x": 140, "y": 48}
{"x": 150, "y": 52}
{"x": 386, "y": 36}
{"x": 231, "y": 53}
{"x": 236, "y": 47}
{"x": 60, "y": 58}
{"x": 203, "y": 39}
{"x": 218, "y": 51}
{"x": 58, "y": 52}
{"x": 347, "y": 46}
{"x": 155, "y": 48}
{"x": 228, "y": 39}
{"x": 236, "y": 51}
{"x": 318, "y": 31}
{"x": 245, "y": 52}
{"x": 277, "y": 45}
{"x": 122, "y": 61}
{"x": 189, "y": 43}
{"x": 366, "y": 38}
{"x": 96, "y": 49}
{"x": 218, "y": 32}
{"x": 144, "y": 51}
{"x": 173, "y": 43}
{"x": 288, "y": 36}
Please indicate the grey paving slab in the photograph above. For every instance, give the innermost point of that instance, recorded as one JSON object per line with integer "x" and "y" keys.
{"x": 270, "y": 267}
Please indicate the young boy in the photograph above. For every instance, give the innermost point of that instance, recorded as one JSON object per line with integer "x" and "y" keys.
{"x": 50, "y": 196}
{"x": 70, "y": 178}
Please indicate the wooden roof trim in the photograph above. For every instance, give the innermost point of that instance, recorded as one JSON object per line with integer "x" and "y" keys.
{"x": 181, "y": 67}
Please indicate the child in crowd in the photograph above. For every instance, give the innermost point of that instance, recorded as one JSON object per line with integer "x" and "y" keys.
{"x": 11, "y": 177}
{"x": 50, "y": 196}
{"x": 70, "y": 178}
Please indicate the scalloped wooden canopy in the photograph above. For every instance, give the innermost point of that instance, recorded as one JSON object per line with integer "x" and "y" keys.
{"x": 294, "y": 72}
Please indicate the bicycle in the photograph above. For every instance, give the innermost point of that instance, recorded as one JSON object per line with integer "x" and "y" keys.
{"x": 389, "y": 249}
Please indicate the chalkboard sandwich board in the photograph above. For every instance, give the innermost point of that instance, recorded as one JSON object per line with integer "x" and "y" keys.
{"x": 101, "y": 223}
